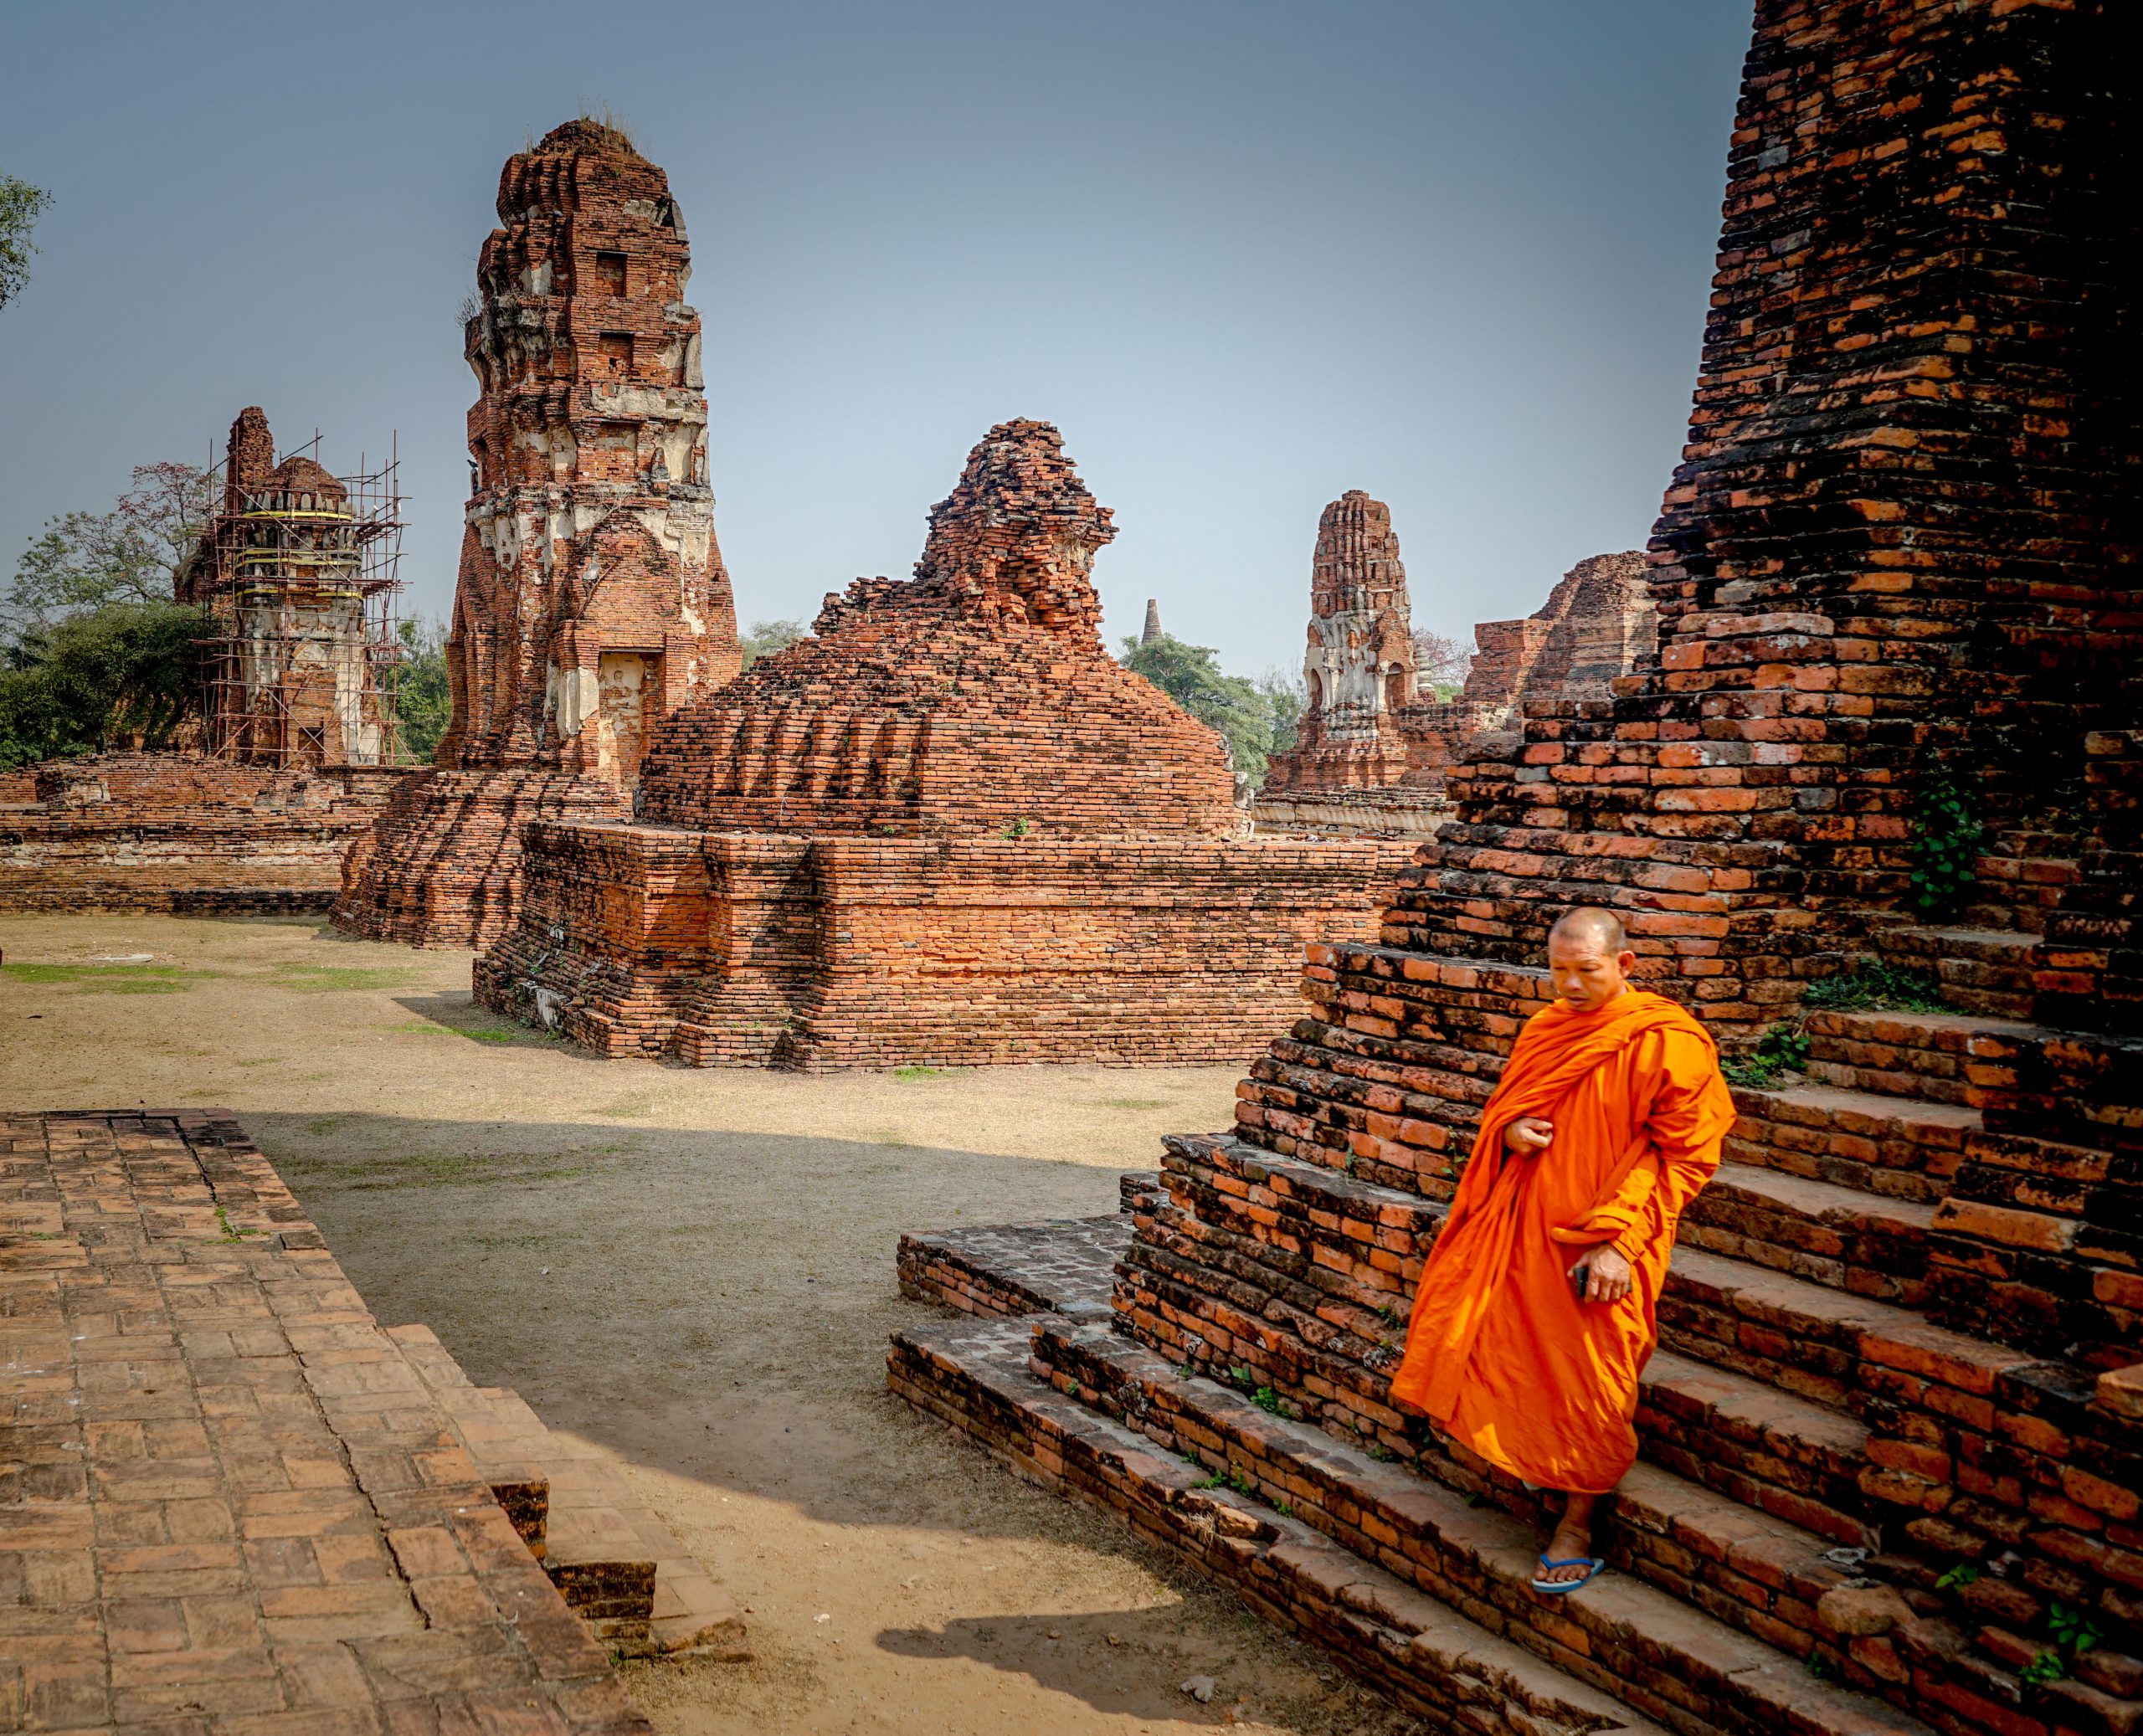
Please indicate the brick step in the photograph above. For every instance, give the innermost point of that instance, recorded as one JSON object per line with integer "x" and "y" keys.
{"x": 1953, "y": 1058}
{"x": 1723, "y": 1649}
{"x": 615, "y": 1564}
{"x": 1787, "y": 1457}
{"x": 1455, "y": 1673}
{"x": 1836, "y": 1236}
{"x": 1896, "y": 1147}
{"x": 1313, "y": 1304}
{"x": 1979, "y": 970}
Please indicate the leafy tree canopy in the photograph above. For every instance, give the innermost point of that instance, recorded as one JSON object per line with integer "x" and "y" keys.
{"x": 85, "y": 560}
{"x": 20, "y": 204}
{"x": 1256, "y": 718}
{"x": 1440, "y": 664}
{"x": 768, "y": 636}
{"x": 123, "y": 671}
{"x": 418, "y": 688}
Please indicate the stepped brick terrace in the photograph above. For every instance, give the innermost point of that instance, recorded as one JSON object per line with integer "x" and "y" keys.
{"x": 1375, "y": 748}
{"x": 1888, "y": 1476}
{"x": 592, "y": 600}
{"x": 234, "y": 1503}
{"x": 947, "y": 828}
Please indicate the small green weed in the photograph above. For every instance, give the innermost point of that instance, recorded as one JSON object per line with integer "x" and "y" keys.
{"x": 1283, "y": 1508}
{"x": 1266, "y": 1400}
{"x": 2072, "y": 1630}
{"x": 1016, "y": 830}
{"x": 2048, "y": 1666}
{"x": 1945, "y": 837}
{"x": 1782, "y": 1049}
{"x": 1381, "y": 1453}
{"x": 1823, "y": 1669}
{"x": 1234, "y": 1480}
{"x": 232, "y": 1232}
{"x": 1874, "y": 986}
{"x": 908, "y": 1075}
{"x": 1957, "y": 1577}
{"x": 1242, "y": 1377}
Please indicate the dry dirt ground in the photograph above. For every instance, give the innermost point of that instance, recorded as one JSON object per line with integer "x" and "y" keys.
{"x": 695, "y": 1269}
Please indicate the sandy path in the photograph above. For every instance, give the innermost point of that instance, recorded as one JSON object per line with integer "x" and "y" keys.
{"x": 696, "y": 1269}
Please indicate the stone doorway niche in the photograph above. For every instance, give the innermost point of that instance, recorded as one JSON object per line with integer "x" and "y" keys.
{"x": 628, "y": 695}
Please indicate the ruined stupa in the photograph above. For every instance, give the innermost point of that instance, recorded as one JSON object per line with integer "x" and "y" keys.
{"x": 1373, "y": 746}
{"x": 948, "y": 828}
{"x": 591, "y": 599}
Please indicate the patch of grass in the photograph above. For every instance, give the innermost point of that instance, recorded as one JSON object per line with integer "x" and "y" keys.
{"x": 232, "y": 1232}
{"x": 328, "y": 979}
{"x": 1874, "y": 986}
{"x": 324, "y": 1124}
{"x": 1782, "y": 1049}
{"x": 909, "y": 1075}
{"x": 110, "y": 979}
{"x": 1135, "y": 1103}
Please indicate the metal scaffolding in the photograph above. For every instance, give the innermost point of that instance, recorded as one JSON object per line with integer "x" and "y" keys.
{"x": 301, "y": 571}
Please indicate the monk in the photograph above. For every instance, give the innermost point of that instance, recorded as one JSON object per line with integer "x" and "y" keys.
{"x": 1536, "y": 1310}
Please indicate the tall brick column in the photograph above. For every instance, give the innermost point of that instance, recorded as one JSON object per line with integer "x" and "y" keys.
{"x": 592, "y": 600}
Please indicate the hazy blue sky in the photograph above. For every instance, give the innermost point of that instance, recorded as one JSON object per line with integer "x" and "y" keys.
{"x": 1246, "y": 255}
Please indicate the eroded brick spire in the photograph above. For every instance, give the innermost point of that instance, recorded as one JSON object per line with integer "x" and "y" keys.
{"x": 1017, "y": 537}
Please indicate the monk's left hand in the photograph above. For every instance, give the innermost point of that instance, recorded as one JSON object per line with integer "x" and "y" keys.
{"x": 1610, "y": 1277}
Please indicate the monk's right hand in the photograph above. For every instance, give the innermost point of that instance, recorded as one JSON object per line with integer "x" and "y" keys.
{"x": 1528, "y": 1137}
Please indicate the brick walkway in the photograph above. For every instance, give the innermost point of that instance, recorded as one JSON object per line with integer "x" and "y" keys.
{"x": 228, "y": 1504}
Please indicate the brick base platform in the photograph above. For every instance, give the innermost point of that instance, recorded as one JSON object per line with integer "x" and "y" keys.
{"x": 228, "y": 1501}
{"x": 828, "y": 951}
{"x": 191, "y": 836}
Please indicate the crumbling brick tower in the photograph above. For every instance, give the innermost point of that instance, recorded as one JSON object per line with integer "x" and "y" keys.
{"x": 1360, "y": 665}
{"x": 282, "y": 569}
{"x": 591, "y": 599}
{"x": 948, "y": 828}
{"x": 1889, "y": 1472}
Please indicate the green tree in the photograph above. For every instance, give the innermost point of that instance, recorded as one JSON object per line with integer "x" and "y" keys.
{"x": 87, "y": 560}
{"x": 1287, "y": 697}
{"x": 1244, "y": 712}
{"x": 125, "y": 671}
{"x": 418, "y": 688}
{"x": 20, "y": 205}
{"x": 768, "y": 636}
{"x": 1440, "y": 664}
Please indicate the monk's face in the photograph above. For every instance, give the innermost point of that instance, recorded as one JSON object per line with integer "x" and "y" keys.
{"x": 1585, "y": 974}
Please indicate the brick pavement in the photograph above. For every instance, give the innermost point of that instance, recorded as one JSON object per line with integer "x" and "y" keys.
{"x": 227, "y": 1503}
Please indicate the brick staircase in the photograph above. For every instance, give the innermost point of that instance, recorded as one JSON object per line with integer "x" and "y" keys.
{"x": 1891, "y": 1340}
{"x": 615, "y": 1563}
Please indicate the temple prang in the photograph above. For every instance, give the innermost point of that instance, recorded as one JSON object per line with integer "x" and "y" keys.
{"x": 591, "y": 600}
{"x": 1374, "y": 746}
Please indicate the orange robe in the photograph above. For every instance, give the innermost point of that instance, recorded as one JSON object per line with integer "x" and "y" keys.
{"x": 1500, "y": 1353}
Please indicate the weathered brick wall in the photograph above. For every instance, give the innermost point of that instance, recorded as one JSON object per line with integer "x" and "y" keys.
{"x": 592, "y": 600}
{"x": 1902, "y": 517}
{"x": 839, "y": 951}
{"x": 166, "y": 832}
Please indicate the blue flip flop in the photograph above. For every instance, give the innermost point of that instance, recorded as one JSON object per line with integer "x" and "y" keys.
{"x": 1595, "y": 1565}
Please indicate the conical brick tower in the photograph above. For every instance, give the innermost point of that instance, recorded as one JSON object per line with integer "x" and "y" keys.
{"x": 591, "y": 598}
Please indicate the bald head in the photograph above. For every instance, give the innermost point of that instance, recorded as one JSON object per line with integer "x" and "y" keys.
{"x": 1603, "y": 929}
{"x": 1588, "y": 958}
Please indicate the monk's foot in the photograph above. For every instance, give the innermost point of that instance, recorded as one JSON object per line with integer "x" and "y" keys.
{"x": 1571, "y": 1545}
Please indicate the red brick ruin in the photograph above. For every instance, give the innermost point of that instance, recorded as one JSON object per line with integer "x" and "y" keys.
{"x": 293, "y": 758}
{"x": 592, "y": 600}
{"x": 1374, "y": 749}
{"x": 948, "y": 828}
{"x": 1892, "y": 1443}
